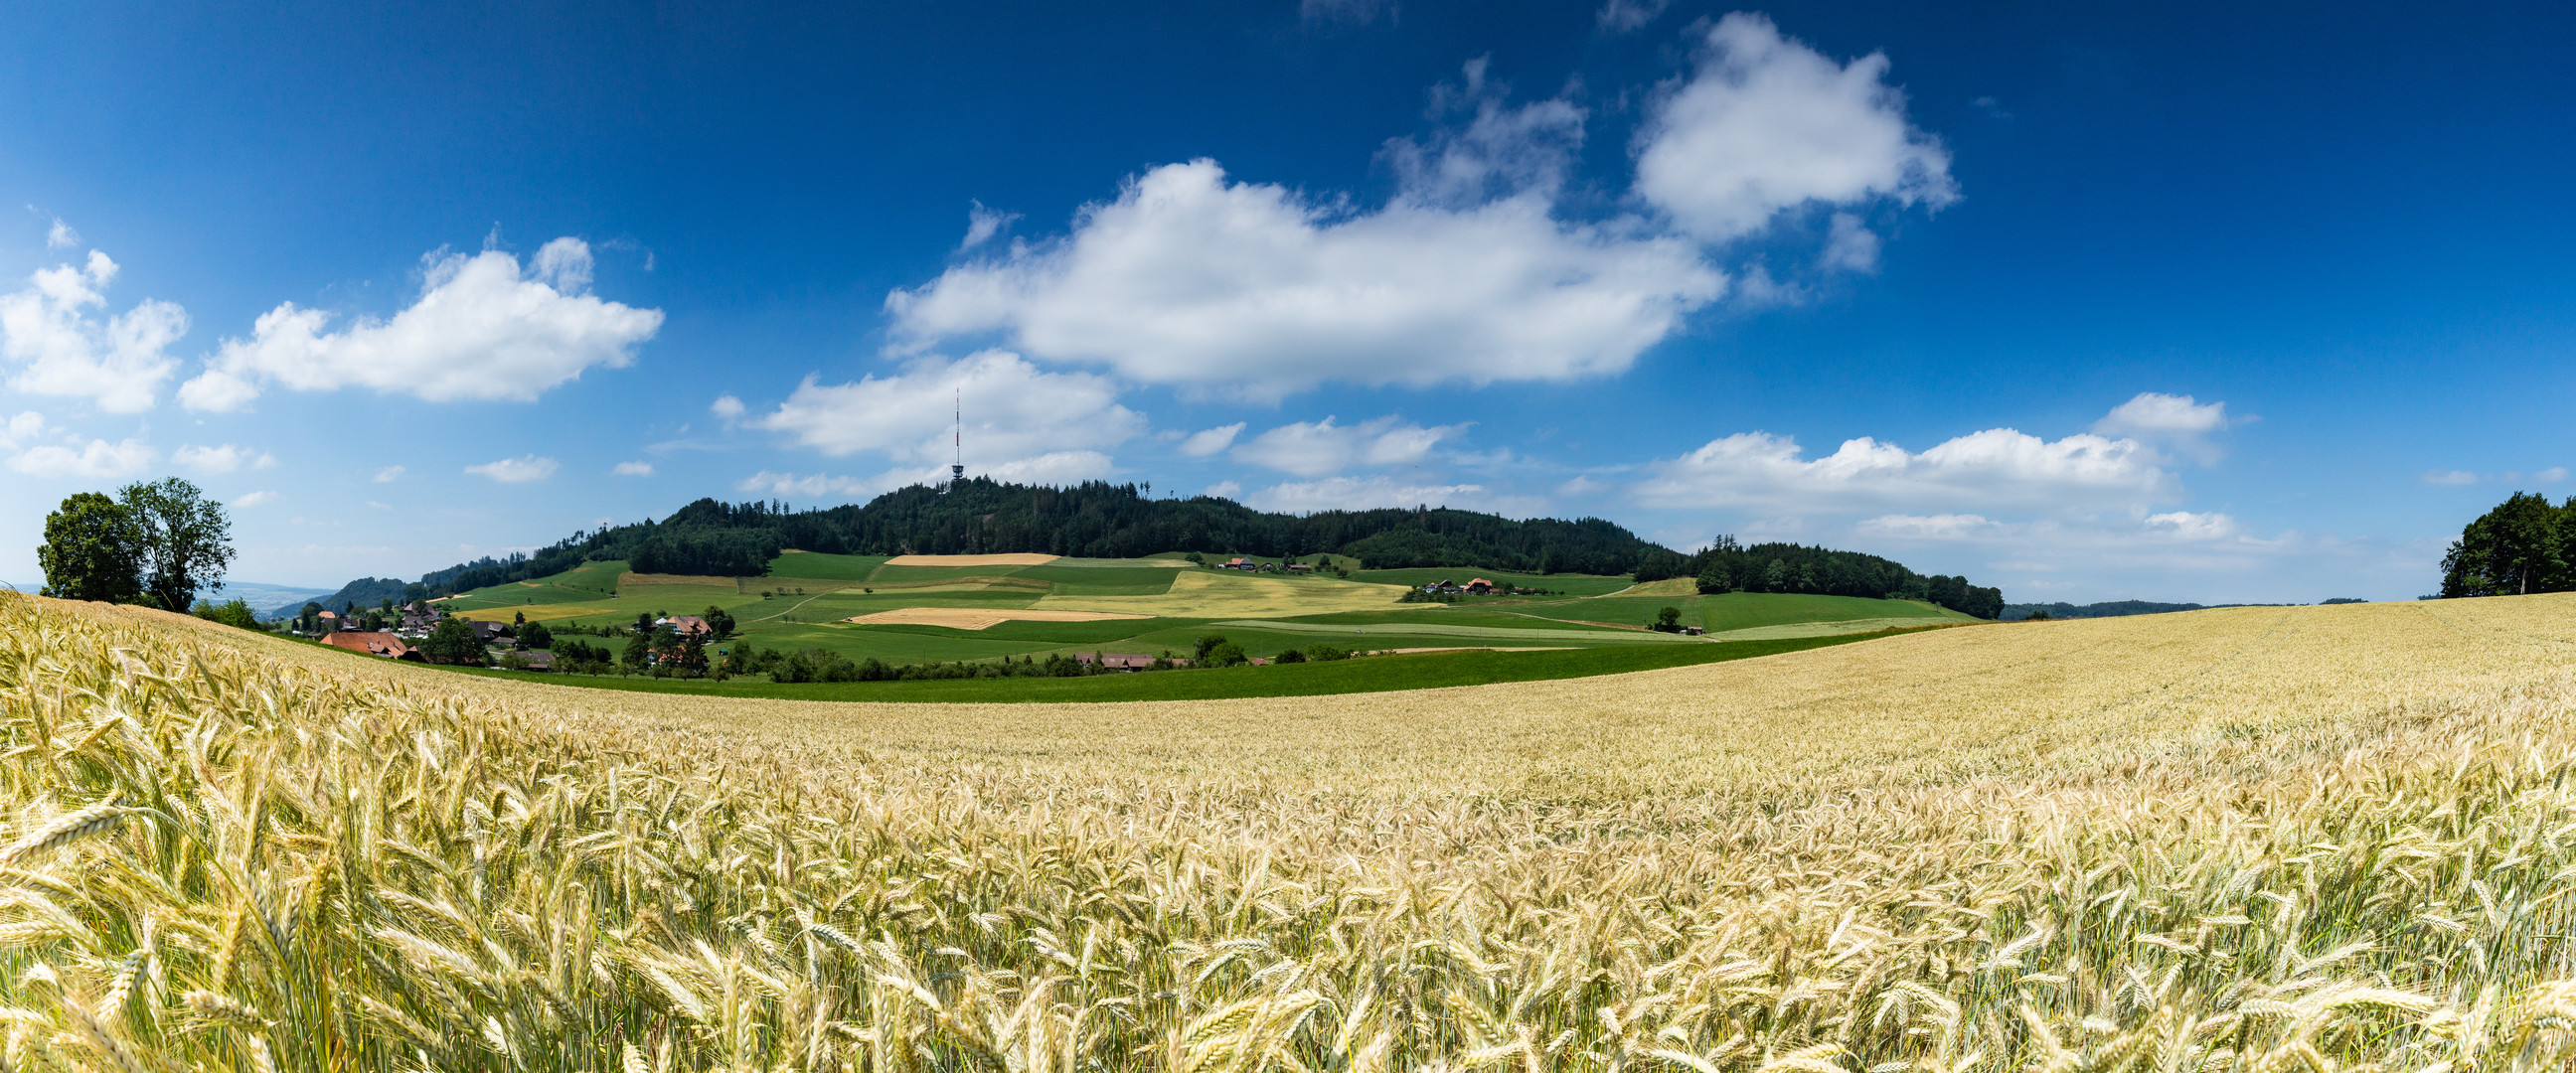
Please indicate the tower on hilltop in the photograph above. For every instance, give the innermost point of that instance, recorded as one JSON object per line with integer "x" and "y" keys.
{"x": 957, "y": 436}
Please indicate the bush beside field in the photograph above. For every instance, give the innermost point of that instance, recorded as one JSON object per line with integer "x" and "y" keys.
{"x": 2267, "y": 839}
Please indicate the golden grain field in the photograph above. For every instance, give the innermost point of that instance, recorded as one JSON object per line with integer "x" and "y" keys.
{"x": 2263, "y": 838}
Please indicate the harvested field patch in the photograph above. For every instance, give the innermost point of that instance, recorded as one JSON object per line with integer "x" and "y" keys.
{"x": 1013, "y": 559}
{"x": 976, "y": 618}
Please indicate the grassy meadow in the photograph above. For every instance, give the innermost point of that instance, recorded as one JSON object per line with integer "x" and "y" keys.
{"x": 2313, "y": 838}
{"x": 808, "y": 597}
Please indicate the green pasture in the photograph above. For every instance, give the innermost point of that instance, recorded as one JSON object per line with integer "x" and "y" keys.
{"x": 1376, "y": 674}
{"x": 822, "y": 567}
{"x": 1259, "y": 612}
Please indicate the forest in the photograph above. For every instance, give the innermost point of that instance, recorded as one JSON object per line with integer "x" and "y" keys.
{"x": 1094, "y": 519}
{"x": 2524, "y": 545}
{"x": 1725, "y": 566}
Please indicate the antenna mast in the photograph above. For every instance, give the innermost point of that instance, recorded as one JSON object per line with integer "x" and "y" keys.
{"x": 957, "y": 468}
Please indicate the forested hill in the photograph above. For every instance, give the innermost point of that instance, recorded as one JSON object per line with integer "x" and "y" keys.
{"x": 1095, "y": 520}
{"x": 1114, "y": 521}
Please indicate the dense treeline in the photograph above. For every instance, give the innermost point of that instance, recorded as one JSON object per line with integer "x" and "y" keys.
{"x": 2104, "y": 609}
{"x": 1726, "y": 566}
{"x": 1095, "y": 520}
{"x": 2524, "y": 545}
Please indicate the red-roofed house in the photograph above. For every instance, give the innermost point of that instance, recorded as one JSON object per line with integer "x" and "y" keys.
{"x": 372, "y": 644}
{"x": 1480, "y": 587}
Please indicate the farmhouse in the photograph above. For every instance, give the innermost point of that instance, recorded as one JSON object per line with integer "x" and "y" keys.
{"x": 488, "y": 632}
{"x": 1128, "y": 662}
{"x": 373, "y": 644}
{"x": 688, "y": 625}
{"x": 1481, "y": 587}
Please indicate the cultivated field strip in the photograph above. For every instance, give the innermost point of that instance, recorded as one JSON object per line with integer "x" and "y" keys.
{"x": 2269, "y": 839}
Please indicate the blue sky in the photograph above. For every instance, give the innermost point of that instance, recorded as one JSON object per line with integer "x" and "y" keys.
{"x": 2165, "y": 301}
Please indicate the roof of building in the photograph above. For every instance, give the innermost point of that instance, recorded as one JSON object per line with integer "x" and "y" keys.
{"x": 373, "y": 644}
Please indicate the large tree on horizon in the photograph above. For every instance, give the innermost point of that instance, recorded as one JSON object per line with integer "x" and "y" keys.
{"x": 186, "y": 541}
{"x": 92, "y": 551}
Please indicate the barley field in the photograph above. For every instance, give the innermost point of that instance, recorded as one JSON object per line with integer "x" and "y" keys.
{"x": 2325, "y": 838}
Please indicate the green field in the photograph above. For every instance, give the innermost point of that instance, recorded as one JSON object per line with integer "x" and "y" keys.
{"x": 1376, "y": 674}
{"x": 811, "y": 595}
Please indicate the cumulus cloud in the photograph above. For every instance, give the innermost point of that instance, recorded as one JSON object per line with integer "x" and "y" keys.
{"x": 1225, "y": 490}
{"x": 632, "y": 469}
{"x": 61, "y": 236}
{"x": 1016, "y": 412}
{"x": 1995, "y": 467}
{"x": 982, "y": 224}
{"x": 1193, "y": 280}
{"x": 1851, "y": 245}
{"x": 223, "y": 458}
{"x": 255, "y": 499}
{"x": 389, "y": 474}
{"x": 1361, "y": 493}
{"x": 1766, "y": 124}
{"x": 1203, "y": 444}
{"x": 86, "y": 458}
{"x": 1473, "y": 272}
{"x": 2178, "y": 422}
{"x": 518, "y": 470}
{"x": 1316, "y": 448}
{"x": 726, "y": 406}
{"x": 482, "y": 329}
{"x": 1622, "y": 16}
{"x": 51, "y": 332}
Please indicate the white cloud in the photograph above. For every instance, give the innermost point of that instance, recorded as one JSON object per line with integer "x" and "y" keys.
{"x": 2450, "y": 477}
{"x": 1016, "y": 412}
{"x": 389, "y": 474}
{"x": 2552, "y": 475}
{"x": 61, "y": 236}
{"x": 516, "y": 470}
{"x": 1996, "y": 467}
{"x": 1225, "y": 490}
{"x": 1931, "y": 527}
{"x": 982, "y": 224}
{"x": 255, "y": 499}
{"x": 224, "y": 458}
{"x": 1767, "y": 123}
{"x": 1851, "y": 245}
{"x": 481, "y": 329}
{"x": 727, "y": 407}
{"x": 1622, "y": 16}
{"x": 1192, "y": 280}
{"x": 1316, "y": 448}
{"x": 808, "y": 485}
{"x": 61, "y": 349}
{"x": 1362, "y": 493}
{"x": 1053, "y": 468}
{"x": 1203, "y": 444}
{"x": 2177, "y": 422}
{"x": 633, "y": 469}
{"x": 23, "y": 428}
{"x": 93, "y": 459}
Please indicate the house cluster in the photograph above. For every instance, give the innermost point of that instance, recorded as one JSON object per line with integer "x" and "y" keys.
{"x": 1474, "y": 587}
{"x": 1250, "y": 566}
{"x": 1125, "y": 662}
